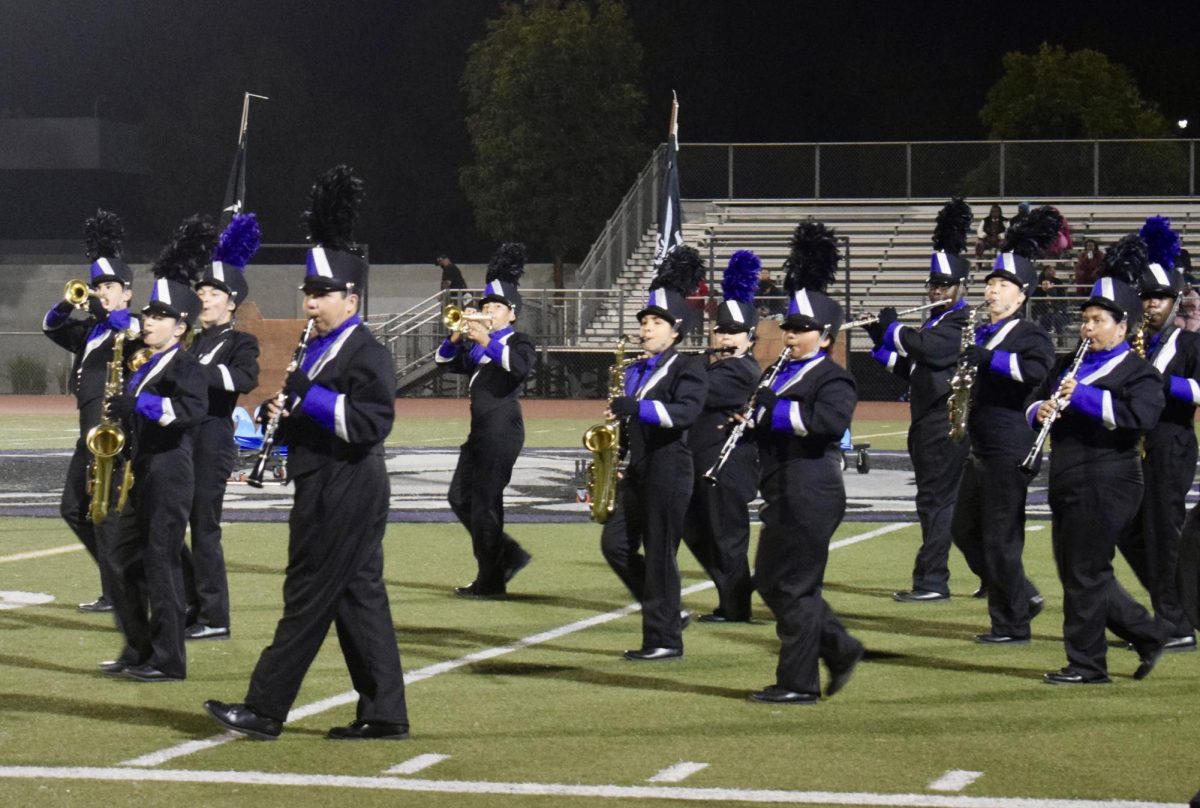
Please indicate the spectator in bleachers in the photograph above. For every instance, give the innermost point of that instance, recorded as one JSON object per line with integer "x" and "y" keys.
{"x": 991, "y": 230}
{"x": 1184, "y": 264}
{"x": 1188, "y": 317}
{"x": 1087, "y": 266}
{"x": 1049, "y": 314}
{"x": 770, "y": 297}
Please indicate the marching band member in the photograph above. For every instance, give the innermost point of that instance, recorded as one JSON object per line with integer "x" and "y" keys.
{"x": 497, "y": 358}
{"x": 1012, "y": 356}
{"x": 717, "y": 526}
{"x": 166, "y": 397}
{"x": 1152, "y": 544}
{"x": 338, "y": 408}
{"x": 800, "y": 420}
{"x": 1096, "y": 479}
{"x": 664, "y": 395}
{"x": 229, "y": 363}
{"x": 926, "y": 356}
{"x": 90, "y": 340}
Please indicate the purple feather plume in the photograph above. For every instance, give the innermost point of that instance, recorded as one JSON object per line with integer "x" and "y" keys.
{"x": 1162, "y": 243}
{"x": 239, "y": 242}
{"x": 740, "y": 280}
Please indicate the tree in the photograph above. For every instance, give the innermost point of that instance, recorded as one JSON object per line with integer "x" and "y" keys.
{"x": 1056, "y": 94}
{"x": 554, "y": 114}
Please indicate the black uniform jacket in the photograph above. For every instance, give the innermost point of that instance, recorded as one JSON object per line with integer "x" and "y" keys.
{"x": 815, "y": 408}
{"x": 89, "y": 370}
{"x": 171, "y": 398}
{"x": 497, "y": 370}
{"x": 1119, "y": 396}
{"x": 926, "y": 356}
{"x": 229, "y": 363}
{"x": 1021, "y": 356}
{"x": 730, "y": 382}
{"x": 671, "y": 397}
{"x": 1176, "y": 355}
{"x": 348, "y": 412}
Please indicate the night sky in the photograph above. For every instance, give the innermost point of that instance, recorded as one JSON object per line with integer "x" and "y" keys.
{"x": 375, "y": 84}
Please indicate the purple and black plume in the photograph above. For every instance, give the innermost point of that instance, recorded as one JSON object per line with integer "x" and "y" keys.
{"x": 953, "y": 224}
{"x": 1029, "y": 236}
{"x": 103, "y": 234}
{"x": 740, "y": 281}
{"x": 333, "y": 206}
{"x": 1126, "y": 260}
{"x": 190, "y": 251}
{"x": 813, "y": 259}
{"x": 682, "y": 270}
{"x": 1162, "y": 243}
{"x": 239, "y": 241}
{"x": 508, "y": 264}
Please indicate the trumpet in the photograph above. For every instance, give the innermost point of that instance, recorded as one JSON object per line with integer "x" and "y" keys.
{"x": 1033, "y": 460}
{"x": 455, "y": 319}
{"x": 77, "y": 293}
{"x": 867, "y": 319}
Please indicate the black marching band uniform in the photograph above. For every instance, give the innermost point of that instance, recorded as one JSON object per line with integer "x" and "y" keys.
{"x": 165, "y": 399}
{"x": 800, "y": 420}
{"x": 664, "y": 395}
{"x": 926, "y": 357}
{"x": 1012, "y": 357}
{"x": 229, "y": 363}
{"x": 90, "y": 339}
{"x": 485, "y": 462}
{"x": 1096, "y": 487}
{"x": 1152, "y": 544}
{"x": 341, "y": 402}
{"x": 717, "y": 525}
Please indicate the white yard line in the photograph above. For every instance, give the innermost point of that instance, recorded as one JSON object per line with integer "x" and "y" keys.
{"x": 417, "y": 764}
{"x": 412, "y": 677}
{"x": 66, "y": 548}
{"x": 857, "y": 438}
{"x": 678, "y": 773}
{"x": 725, "y": 795}
{"x": 955, "y": 780}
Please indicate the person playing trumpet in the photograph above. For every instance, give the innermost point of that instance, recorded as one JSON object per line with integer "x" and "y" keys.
{"x": 90, "y": 339}
{"x": 497, "y": 359}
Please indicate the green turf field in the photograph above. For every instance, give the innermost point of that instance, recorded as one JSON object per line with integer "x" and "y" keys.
{"x": 567, "y": 712}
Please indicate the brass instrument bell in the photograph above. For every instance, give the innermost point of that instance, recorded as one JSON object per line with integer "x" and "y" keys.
{"x": 77, "y": 293}
{"x": 455, "y": 319}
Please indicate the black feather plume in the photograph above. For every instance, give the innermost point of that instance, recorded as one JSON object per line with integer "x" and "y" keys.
{"x": 333, "y": 206}
{"x": 508, "y": 264}
{"x": 1030, "y": 235}
{"x": 1126, "y": 259}
{"x": 813, "y": 259}
{"x": 103, "y": 234}
{"x": 190, "y": 250}
{"x": 953, "y": 224}
{"x": 682, "y": 270}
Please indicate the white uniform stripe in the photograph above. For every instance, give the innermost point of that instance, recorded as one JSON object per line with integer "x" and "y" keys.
{"x": 896, "y": 339}
{"x": 504, "y": 359}
{"x": 168, "y": 413}
{"x": 226, "y": 377}
{"x": 794, "y": 416}
{"x": 1106, "y": 410}
{"x": 1014, "y": 368}
{"x": 1167, "y": 352}
{"x": 664, "y": 418}
{"x": 321, "y": 262}
{"x": 999, "y": 336}
{"x": 1195, "y": 388}
{"x": 339, "y": 418}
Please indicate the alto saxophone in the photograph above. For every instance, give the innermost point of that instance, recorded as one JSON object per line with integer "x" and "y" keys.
{"x": 958, "y": 406}
{"x": 106, "y": 439}
{"x": 604, "y": 442}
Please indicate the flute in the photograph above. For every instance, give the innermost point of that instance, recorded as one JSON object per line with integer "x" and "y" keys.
{"x": 867, "y": 319}
{"x": 255, "y": 478}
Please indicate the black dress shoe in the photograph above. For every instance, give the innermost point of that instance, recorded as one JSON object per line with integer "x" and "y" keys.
{"x": 1147, "y": 661}
{"x": 653, "y": 654}
{"x": 918, "y": 596}
{"x": 981, "y": 592}
{"x": 774, "y": 694}
{"x": 240, "y": 718}
{"x": 369, "y": 731}
{"x": 840, "y": 675}
{"x": 1000, "y": 639}
{"x": 145, "y": 673}
{"x": 1036, "y": 604}
{"x": 516, "y": 565}
{"x": 199, "y": 631}
{"x": 475, "y": 592}
{"x": 113, "y": 667}
{"x": 1185, "y": 643}
{"x": 1070, "y": 676}
{"x": 685, "y": 619}
{"x": 714, "y": 617}
{"x": 97, "y": 606}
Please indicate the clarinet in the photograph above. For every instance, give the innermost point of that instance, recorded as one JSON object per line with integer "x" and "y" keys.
{"x": 255, "y": 478}
{"x": 735, "y": 434}
{"x": 1031, "y": 462}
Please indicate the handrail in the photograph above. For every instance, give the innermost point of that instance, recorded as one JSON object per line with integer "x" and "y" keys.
{"x": 591, "y": 262}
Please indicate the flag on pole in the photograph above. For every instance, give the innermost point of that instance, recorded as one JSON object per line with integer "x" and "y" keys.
{"x": 670, "y": 224}
{"x": 235, "y": 188}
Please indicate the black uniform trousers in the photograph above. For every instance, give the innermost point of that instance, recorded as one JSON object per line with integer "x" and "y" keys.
{"x": 485, "y": 466}
{"x": 938, "y": 467}
{"x": 214, "y": 456}
{"x": 989, "y": 528}
{"x": 717, "y": 528}
{"x": 144, "y": 562}
{"x": 1152, "y": 546}
{"x": 805, "y": 501}
{"x": 335, "y": 575}
{"x": 75, "y": 502}
{"x": 1092, "y": 505}
{"x": 648, "y": 516}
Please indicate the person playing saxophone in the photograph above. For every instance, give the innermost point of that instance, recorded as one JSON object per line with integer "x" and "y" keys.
{"x": 497, "y": 358}
{"x": 1012, "y": 356}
